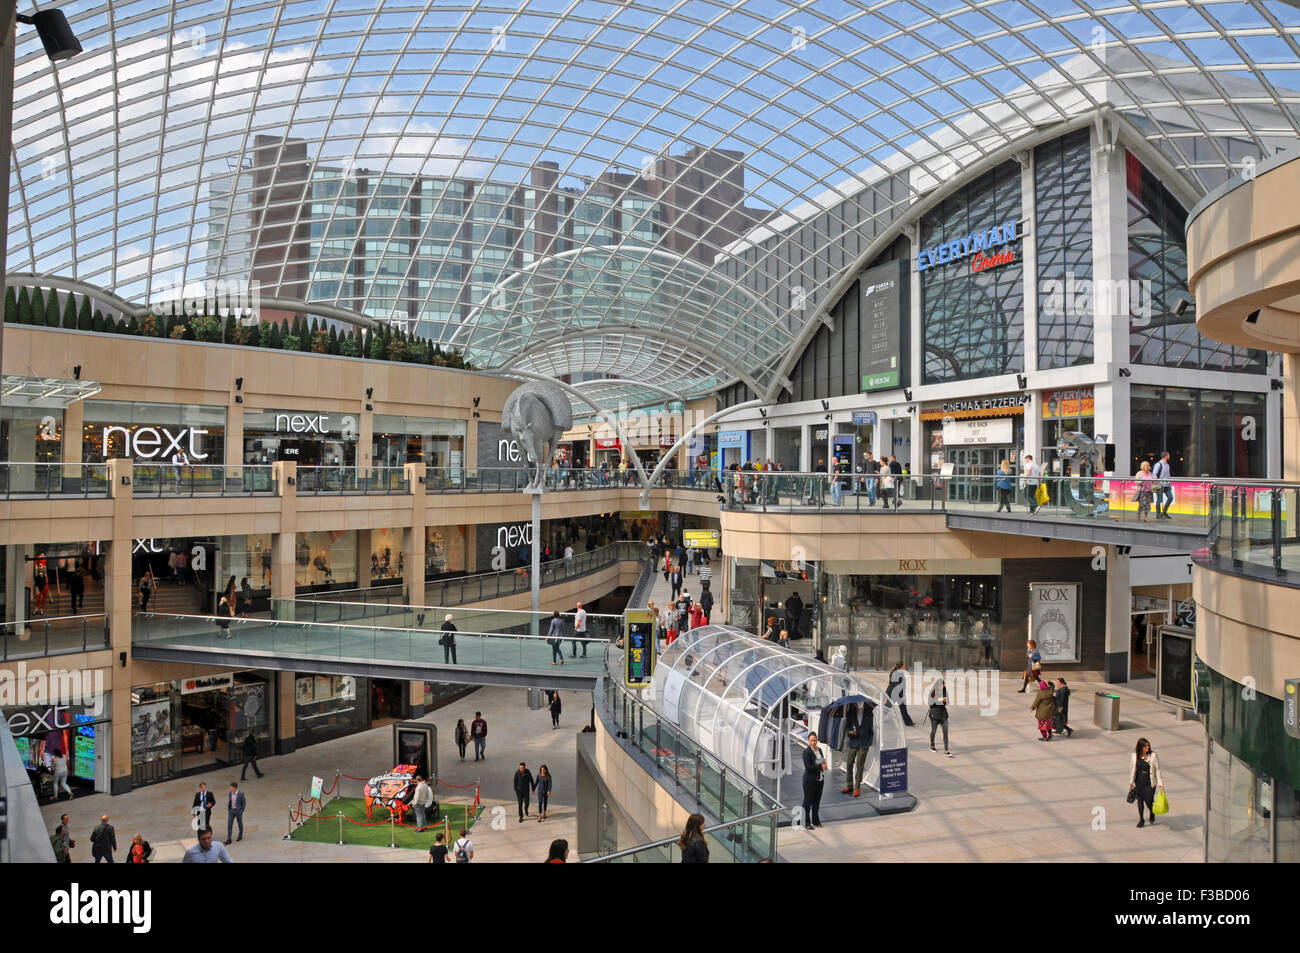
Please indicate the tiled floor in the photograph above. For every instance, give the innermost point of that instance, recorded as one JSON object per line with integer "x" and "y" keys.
{"x": 161, "y": 812}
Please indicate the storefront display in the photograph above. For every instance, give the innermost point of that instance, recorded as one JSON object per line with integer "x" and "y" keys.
{"x": 310, "y": 439}
{"x": 327, "y": 559}
{"x": 387, "y": 554}
{"x": 328, "y": 706}
{"x": 444, "y": 551}
{"x": 975, "y": 435}
{"x": 30, "y": 435}
{"x": 435, "y": 442}
{"x": 77, "y": 732}
{"x": 153, "y": 433}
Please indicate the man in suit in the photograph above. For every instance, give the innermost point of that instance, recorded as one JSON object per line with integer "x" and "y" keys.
{"x": 814, "y": 765}
{"x": 675, "y": 580}
{"x": 202, "y": 805}
{"x": 103, "y": 841}
{"x": 524, "y": 784}
{"x": 237, "y": 805}
{"x": 859, "y": 733}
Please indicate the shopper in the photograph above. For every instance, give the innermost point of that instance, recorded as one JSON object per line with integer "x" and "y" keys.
{"x": 478, "y": 732}
{"x": 250, "y": 757}
{"x": 793, "y": 610}
{"x": 675, "y": 581}
{"x": 56, "y": 845}
{"x": 580, "y": 631}
{"x": 898, "y": 691}
{"x": 225, "y": 612}
{"x": 554, "y": 637}
{"x": 60, "y": 765}
{"x": 437, "y": 850}
{"x": 139, "y": 851}
{"x": 859, "y": 734}
{"x": 40, "y": 585}
{"x": 783, "y": 638}
{"x": 206, "y": 852}
{"x": 1032, "y": 479}
{"x": 555, "y": 710}
{"x": 68, "y": 842}
{"x": 523, "y": 782}
{"x": 462, "y": 851}
{"x": 696, "y": 615}
{"x": 694, "y": 848}
{"x": 1004, "y": 483}
{"x": 422, "y": 801}
{"x": 236, "y": 804}
{"x": 938, "y": 714}
{"x": 76, "y": 589}
{"x": 869, "y": 469}
{"x": 448, "y": 640}
{"x": 814, "y": 766}
{"x": 146, "y": 590}
{"x": 103, "y": 841}
{"x": 1063, "y": 708}
{"x": 559, "y": 852}
{"x": 1164, "y": 488}
{"x": 706, "y": 603}
{"x": 462, "y": 736}
{"x": 1033, "y": 665}
{"x": 542, "y": 785}
{"x": 202, "y": 805}
{"x": 1144, "y": 779}
{"x": 1145, "y": 493}
{"x": 705, "y": 572}
{"x": 896, "y": 470}
{"x": 1044, "y": 708}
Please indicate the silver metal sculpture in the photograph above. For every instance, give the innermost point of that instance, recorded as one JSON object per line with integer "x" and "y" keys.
{"x": 537, "y": 414}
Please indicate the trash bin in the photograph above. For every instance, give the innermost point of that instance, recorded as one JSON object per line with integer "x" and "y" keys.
{"x": 1105, "y": 711}
{"x": 534, "y": 698}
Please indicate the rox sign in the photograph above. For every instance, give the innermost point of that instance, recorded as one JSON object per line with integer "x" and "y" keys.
{"x": 1053, "y": 594}
{"x": 145, "y": 443}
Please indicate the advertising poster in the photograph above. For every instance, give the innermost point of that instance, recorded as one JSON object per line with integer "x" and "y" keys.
{"x": 151, "y": 726}
{"x": 1054, "y": 620}
{"x": 880, "y": 326}
{"x": 247, "y": 708}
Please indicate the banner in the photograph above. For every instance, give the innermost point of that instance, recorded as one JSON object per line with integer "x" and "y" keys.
{"x": 1054, "y": 620}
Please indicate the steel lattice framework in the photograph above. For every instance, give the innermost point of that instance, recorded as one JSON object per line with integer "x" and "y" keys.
{"x": 584, "y": 187}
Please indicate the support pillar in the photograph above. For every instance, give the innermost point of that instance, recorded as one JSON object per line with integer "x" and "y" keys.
{"x": 284, "y": 543}
{"x": 535, "y": 581}
{"x": 1119, "y": 602}
{"x": 119, "y": 605}
{"x": 413, "y": 553}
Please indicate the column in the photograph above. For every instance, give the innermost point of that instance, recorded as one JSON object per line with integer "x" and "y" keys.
{"x": 365, "y": 441}
{"x": 73, "y": 421}
{"x": 118, "y": 607}
{"x": 234, "y": 435}
{"x": 1029, "y": 256}
{"x": 1119, "y": 603}
{"x": 413, "y": 552}
{"x": 363, "y": 559}
{"x": 284, "y": 543}
{"x": 286, "y": 738}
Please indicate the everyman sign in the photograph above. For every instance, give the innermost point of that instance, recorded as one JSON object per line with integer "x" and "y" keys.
{"x": 980, "y": 243}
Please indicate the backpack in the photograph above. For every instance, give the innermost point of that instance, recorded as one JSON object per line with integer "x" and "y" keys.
{"x": 462, "y": 854}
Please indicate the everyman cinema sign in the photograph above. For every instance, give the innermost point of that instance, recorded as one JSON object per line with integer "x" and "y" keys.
{"x": 988, "y": 246}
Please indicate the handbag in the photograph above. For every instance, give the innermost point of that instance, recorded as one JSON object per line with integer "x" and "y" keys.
{"x": 1040, "y": 496}
{"x": 1132, "y": 793}
{"x": 1161, "y": 804}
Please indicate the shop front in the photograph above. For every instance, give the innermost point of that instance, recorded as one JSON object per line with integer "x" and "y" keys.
{"x": 309, "y": 439}
{"x": 329, "y": 706}
{"x": 193, "y": 723}
{"x": 30, "y": 435}
{"x": 733, "y": 447}
{"x": 153, "y": 433}
{"x": 975, "y": 435}
{"x": 444, "y": 551}
{"x": 606, "y": 456}
{"x": 435, "y": 442}
{"x": 80, "y": 733}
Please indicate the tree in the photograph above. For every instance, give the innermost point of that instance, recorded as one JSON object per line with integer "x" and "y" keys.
{"x": 24, "y": 307}
{"x": 70, "y": 312}
{"x": 333, "y": 340}
{"x": 375, "y": 346}
{"x": 84, "y": 315}
{"x": 11, "y": 305}
{"x": 229, "y": 335}
{"x": 264, "y": 334}
{"x": 277, "y": 339}
{"x": 97, "y": 323}
{"x": 52, "y": 318}
{"x": 38, "y": 307}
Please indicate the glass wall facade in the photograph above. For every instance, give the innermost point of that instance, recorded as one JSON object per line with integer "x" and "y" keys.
{"x": 1157, "y": 253}
{"x": 146, "y": 432}
{"x": 1063, "y": 245}
{"x": 974, "y": 320}
{"x": 329, "y": 706}
{"x": 434, "y": 442}
{"x": 1207, "y": 433}
{"x": 31, "y": 435}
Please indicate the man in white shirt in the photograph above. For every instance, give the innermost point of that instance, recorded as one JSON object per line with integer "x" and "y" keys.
{"x": 568, "y": 556}
{"x": 462, "y": 852}
{"x": 580, "y": 630}
{"x": 206, "y": 852}
{"x": 180, "y": 461}
{"x": 1032, "y": 479}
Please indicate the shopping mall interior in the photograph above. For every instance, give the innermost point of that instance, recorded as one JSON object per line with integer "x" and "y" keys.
{"x": 703, "y": 398}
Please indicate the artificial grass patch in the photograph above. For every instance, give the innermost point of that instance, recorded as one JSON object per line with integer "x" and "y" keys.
{"x": 323, "y": 828}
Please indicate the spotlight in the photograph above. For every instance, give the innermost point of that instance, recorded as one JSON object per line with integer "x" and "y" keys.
{"x": 907, "y": 393}
{"x": 1125, "y": 372}
{"x": 121, "y": 656}
{"x": 826, "y": 405}
{"x": 52, "y": 27}
{"x": 1181, "y": 307}
{"x": 239, "y": 383}
{"x": 370, "y": 392}
{"x": 762, "y": 412}
{"x": 476, "y": 400}
{"x": 76, "y": 373}
{"x": 369, "y": 407}
{"x": 1022, "y": 381}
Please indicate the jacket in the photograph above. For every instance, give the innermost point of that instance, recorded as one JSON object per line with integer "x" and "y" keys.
{"x": 1063, "y": 701}
{"x": 103, "y": 840}
{"x": 1156, "y": 780}
{"x": 478, "y": 728}
{"x": 250, "y": 746}
{"x": 241, "y": 802}
{"x": 523, "y": 781}
{"x": 206, "y": 800}
{"x": 1005, "y": 481}
{"x": 448, "y": 637}
{"x": 556, "y": 707}
{"x": 706, "y": 601}
{"x": 423, "y": 795}
{"x": 696, "y": 851}
{"x": 145, "y": 851}
{"x": 556, "y": 628}
{"x": 812, "y": 765}
{"x": 542, "y": 785}
{"x": 462, "y": 734}
{"x": 860, "y": 729}
{"x": 938, "y": 707}
{"x": 1044, "y": 705}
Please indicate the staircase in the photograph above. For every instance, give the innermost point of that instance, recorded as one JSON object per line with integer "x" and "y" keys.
{"x": 182, "y": 600}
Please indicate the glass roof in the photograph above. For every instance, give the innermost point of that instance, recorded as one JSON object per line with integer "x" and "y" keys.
{"x": 664, "y": 191}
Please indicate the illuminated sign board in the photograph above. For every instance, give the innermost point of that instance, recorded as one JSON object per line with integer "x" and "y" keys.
{"x": 980, "y": 244}
{"x": 880, "y": 317}
{"x": 638, "y": 647}
{"x": 702, "y": 538}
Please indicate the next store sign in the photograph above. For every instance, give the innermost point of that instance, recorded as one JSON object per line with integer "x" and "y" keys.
{"x": 976, "y": 243}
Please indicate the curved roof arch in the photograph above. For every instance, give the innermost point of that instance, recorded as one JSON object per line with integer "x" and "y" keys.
{"x": 685, "y": 186}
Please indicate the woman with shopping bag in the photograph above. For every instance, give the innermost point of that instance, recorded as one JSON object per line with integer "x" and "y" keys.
{"x": 1145, "y": 784}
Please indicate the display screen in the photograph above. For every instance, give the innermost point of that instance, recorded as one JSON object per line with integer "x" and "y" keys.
{"x": 880, "y": 318}
{"x": 1176, "y": 654}
{"x": 640, "y": 649}
{"x": 413, "y": 748}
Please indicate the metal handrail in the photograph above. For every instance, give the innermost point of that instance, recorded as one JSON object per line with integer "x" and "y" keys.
{"x": 670, "y": 841}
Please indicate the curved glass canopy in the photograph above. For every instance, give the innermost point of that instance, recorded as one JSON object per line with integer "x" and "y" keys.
{"x": 727, "y": 689}
{"x": 679, "y": 187}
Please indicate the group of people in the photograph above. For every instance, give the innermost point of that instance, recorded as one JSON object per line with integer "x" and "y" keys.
{"x": 1051, "y": 704}
{"x": 476, "y": 732}
{"x": 556, "y": 634}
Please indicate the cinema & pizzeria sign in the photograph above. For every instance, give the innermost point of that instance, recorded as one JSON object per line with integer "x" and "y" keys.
{"x": 989, "y": 246}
